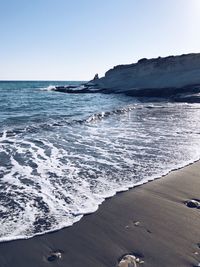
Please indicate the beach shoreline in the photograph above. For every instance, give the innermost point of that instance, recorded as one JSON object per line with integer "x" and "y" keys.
{"x": 150, "y": 221}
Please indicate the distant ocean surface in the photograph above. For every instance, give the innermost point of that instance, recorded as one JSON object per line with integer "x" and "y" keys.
{"x": 62, "y": 154}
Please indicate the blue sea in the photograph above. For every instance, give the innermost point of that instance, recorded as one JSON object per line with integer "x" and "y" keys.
{"x": 62, "y": 154}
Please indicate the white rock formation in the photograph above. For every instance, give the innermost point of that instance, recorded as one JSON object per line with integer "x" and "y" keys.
{"x": 169, "y": 72}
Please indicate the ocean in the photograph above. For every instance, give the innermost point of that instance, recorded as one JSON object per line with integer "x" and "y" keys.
{"x": 62, "y": 155}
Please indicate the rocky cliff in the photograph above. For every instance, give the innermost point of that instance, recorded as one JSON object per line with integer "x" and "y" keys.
{"x": 160, "y": 76}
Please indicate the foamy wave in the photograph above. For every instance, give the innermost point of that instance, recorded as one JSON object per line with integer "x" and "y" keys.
{"x": 48, "y": 88}
{"x": 55, "y": 173}
{"x": 94, "y": 118}
{"x": 106, "y": 114}
{"x": 56, "y": 87}
{"x": 3, "y": 136}
{"x": 65, "y": 121}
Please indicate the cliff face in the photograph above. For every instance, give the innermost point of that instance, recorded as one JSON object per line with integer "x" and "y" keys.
{"x": 173, "y": 72}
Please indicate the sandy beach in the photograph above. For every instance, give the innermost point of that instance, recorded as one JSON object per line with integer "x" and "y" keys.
{"x": 100, "y": 133}
{"x": 150, "y": 221}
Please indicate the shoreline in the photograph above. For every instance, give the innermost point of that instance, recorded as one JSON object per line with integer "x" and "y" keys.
{"x": 150, "y": 221}
{"x": 125, "y": 189}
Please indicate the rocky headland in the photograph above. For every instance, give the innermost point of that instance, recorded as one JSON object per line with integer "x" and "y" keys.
{"x": 174, "y": 76}
{"x": 154, "y": 77}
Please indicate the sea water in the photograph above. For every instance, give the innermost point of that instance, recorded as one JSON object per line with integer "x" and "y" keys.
{"x": 62, "y": 154}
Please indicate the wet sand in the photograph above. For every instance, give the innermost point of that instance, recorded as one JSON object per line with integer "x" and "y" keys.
{"x": 150, "y": 221}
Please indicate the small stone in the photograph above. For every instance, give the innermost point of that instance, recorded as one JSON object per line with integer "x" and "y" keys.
{"x": 129, "y": 261}
{"x": 56, "y": 255}
{"x": 193, "y": 203}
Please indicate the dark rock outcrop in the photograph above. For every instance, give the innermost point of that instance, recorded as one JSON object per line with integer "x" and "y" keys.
{"x": 174, "y": 77}
{"x": 158, "y": 77}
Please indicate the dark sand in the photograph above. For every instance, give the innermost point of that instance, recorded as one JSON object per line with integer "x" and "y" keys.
{"x": 167, "y": 234}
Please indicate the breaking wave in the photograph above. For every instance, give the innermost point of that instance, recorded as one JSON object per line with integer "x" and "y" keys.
{"x": 62, "y": 163}
{"x": 48, "y": 88}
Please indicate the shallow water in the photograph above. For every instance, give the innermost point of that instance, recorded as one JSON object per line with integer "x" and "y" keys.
{"x": 61, "y": 154}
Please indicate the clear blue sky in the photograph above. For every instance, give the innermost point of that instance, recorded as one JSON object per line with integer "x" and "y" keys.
{"x": 74, "y": 39}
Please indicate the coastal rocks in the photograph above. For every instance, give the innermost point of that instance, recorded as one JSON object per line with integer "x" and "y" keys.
{"x": 129, "y": 261}
{"x": 96, "y": 77}
{"x": 193, "y": 203}
{"x": 174, "y": 77}
{"x": 86, "y": 88}
{"x": 55, "y": 255}
{"x": 155, "y": 77}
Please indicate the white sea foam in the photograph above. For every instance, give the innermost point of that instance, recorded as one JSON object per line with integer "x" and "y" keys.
{"x": 52, "y": 178}
{"x": 48, "y": 88}
{"x": 3, "y": 137}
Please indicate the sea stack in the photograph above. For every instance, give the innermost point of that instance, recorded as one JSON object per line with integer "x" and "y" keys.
{"x": 159, "y": 76}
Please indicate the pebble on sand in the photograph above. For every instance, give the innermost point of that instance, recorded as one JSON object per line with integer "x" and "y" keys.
{"x": 129, "y": 261}
{"x": 193, "y": 203}
{"x": 56, "y": 255}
